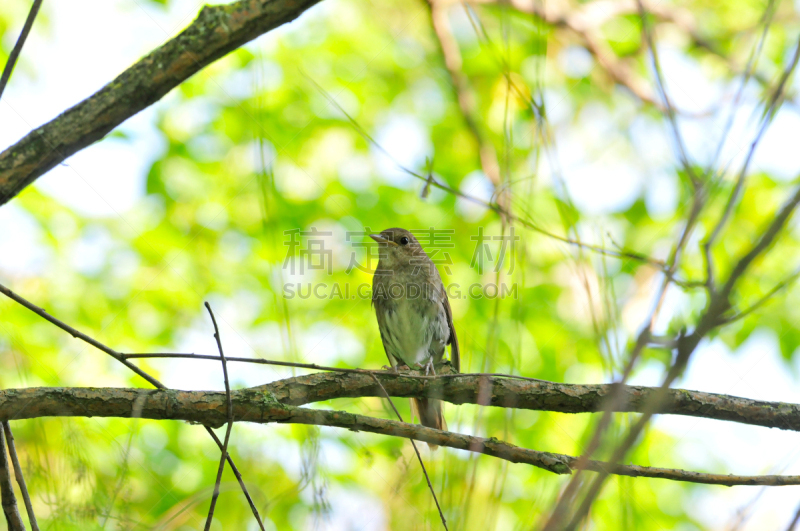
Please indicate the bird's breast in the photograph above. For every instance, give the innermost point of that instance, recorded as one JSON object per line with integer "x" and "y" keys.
{"x": 412, "y": 328}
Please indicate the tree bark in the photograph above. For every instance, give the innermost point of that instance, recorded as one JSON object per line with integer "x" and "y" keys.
{"x": 263, "y": 405}
{"x": 216, "y": 31}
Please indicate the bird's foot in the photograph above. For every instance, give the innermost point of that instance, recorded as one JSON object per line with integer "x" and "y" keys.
{"x": 429, "y": 367}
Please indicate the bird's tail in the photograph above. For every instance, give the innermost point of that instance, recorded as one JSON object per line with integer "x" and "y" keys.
{"x": 429, "y": 413}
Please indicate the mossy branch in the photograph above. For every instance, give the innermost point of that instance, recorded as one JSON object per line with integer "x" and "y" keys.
{"x": 276, "y": 402}
{"x": 217, "y": 31}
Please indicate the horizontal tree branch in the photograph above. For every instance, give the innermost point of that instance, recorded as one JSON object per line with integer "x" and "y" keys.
{"x": 215, "y": 32}
{"x": 260, "y": 405}
{"x": 533, "y": 395}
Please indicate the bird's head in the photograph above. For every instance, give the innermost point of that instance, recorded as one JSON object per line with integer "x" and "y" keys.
{"x": 397, "y": 246}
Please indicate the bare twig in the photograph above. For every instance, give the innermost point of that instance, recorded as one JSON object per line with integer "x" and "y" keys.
{"x": 23, "y": 35}
{"x": 23, "y": 487}
{"x": 795, "y": 521}
{"x": 669, "y": 109}
{"x": 451, "y": 56}
{"x": 80, "y": 335}
{"x": 763, "y": 300}
{"x": 416, "y": 451}
{"x": 585, "y": 23}
{"x": 769, "y": 113}
{"x": 495, "y": 207}
{"x": 229, "y": 414}
{"x": 7, "y": 497}
{"x": 314, "y": 366}
{"x": 616, "y": 396}
{"x": 119, "y": 357}
{"x": 258, "y": 406}
{"x": 712, "y": 317}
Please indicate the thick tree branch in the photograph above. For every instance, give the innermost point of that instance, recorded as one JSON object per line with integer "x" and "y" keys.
{"x": 518, "y": 392}
{"x": 217, "y": 31}
{"x": 540, "y": 396}
{"x": 261, "y": 406}
{"x": 462, "y": 389}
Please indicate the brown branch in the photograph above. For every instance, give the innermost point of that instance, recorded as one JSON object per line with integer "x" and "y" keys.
{"x": 508, "y": 390}
{"x": 487, "y": 391}
{"x": 451, "y": 56}
{"x": 538, "y": 396}
{"x": 585, "y": 24}
{"x": 769, "y": 113}
{"x": 217, "y": 31}
{"x": 7, "y": 497}
{"x": 23, "y": 487}
{"x": 23, "y": 35}
{"x": 712, "y": 317}
{"x": 261, "y": 407}
{"x": 229, "y": 417}
{"x": 78, "y": 334}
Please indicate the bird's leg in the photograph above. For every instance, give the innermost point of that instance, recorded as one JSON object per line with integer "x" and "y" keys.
{"x": 429, "y": 367}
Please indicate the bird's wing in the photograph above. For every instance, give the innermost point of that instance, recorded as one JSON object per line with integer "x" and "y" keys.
{"x": 455, "y": 357}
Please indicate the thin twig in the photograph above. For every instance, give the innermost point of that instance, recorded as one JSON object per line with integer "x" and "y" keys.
{"x": 769, "y": 112}
{"x": 120, "y": 357}
{"x": 416, "y": 450}
{"x": 80, "y": 335}
{"x": 23, "y": 487}
{"x": 229, "y": 412}
{"x": 314, "y": 366}
{"x": 670, "y": 111}
{"x": 763, "y": 300}
{"x": 7, "y": 497}
{"x": 451, "y": 57}
{"x": 12, "y": 58}
{"x": 795, "y": 521}
{"x": 493, "y": 206}
{"x": 712, "y": 317}
{"x": 614, "y": 400}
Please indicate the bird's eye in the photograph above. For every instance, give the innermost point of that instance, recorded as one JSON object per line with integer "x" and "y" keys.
{"x": 403, "y": 241}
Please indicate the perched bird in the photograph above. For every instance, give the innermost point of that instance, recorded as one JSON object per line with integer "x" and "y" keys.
{"x": 413, "y": 313}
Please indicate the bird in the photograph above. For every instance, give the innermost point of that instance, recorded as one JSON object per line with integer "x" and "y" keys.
{"x": 413, "y": 314}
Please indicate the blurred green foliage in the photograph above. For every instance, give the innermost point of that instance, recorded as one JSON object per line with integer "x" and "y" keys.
{"x": 252, "y": 149}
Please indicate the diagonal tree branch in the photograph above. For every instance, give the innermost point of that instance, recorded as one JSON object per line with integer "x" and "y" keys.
{"x": 217, "y": 31}
{"x": 229, "y": 417}
{"x": 7, "y": 497}
{"x": 23, "y": 36}
{"x": 261, "y": 406}
{"x": 23, "y": 487}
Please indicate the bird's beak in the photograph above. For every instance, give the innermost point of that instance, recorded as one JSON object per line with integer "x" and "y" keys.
{"x": 380, "y": 239}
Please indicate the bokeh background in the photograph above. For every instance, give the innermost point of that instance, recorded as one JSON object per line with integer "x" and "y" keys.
{"x": 189, "y": 201}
